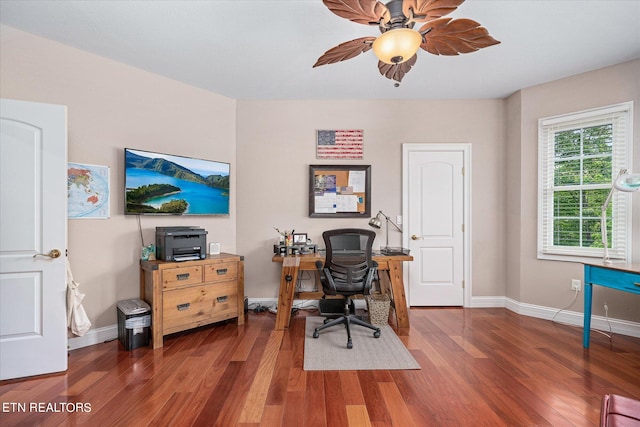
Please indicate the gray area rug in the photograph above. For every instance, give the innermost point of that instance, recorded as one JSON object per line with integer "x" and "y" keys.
{"x": 329, "y": 351}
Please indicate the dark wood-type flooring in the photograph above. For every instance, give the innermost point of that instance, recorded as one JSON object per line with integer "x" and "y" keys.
{"x": 480, "y": 367}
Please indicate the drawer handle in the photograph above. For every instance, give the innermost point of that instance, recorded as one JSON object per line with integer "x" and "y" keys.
{"x": 183, "y": 276}
{"x": 183, "y": 307}
{"x": 221, "y": 271}
{"x": 222, "y": 299}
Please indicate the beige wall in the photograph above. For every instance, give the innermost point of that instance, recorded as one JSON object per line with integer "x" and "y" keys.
{"x": 547, "y": 283}
{"x": 513, "y": 190}
{"x": 276, "y": 145}
{"x": 111, "y": 106}
{"x": 270, "y": 145}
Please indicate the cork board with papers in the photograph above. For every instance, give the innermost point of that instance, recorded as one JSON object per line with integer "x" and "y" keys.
{"x": 339, "y": 191}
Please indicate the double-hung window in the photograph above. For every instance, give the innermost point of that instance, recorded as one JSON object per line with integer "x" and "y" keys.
{"x": 579, "y": 157}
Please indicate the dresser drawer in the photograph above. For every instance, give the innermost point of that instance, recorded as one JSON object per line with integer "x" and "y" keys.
{"x": 199, "y": 305}
{"x": 181, "y": 276}
{"x": 220, "y": 272}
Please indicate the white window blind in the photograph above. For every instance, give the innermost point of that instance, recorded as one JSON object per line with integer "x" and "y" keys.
{"x": 579, "y": 157}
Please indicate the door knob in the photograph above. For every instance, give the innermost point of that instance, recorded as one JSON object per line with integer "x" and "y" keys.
{"x": 53, "y": 253}
{"x": 414, "y": 237}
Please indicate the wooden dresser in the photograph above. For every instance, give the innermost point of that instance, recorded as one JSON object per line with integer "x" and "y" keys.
{"x": 188, "y": 294}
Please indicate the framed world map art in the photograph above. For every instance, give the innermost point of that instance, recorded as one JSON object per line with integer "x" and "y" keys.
{"x": 87, "y": 191}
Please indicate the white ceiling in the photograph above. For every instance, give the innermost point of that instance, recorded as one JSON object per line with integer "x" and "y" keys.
{"x": 265, "y": 49}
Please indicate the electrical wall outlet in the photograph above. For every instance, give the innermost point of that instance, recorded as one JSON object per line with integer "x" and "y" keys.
{"x": 575, "y": 284}
{"x": 399, "y": 219}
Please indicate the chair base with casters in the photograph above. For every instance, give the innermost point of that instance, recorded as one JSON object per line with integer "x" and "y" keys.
{"x": 347, "y": 319}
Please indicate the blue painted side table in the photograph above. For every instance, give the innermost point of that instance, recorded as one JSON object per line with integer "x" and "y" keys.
{"x": 621, "y": 276}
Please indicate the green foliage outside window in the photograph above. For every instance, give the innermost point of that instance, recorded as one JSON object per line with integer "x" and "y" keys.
{"x": 582, "y": 177}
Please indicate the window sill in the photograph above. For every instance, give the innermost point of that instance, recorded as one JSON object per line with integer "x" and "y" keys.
{"x": 573, "y": 258}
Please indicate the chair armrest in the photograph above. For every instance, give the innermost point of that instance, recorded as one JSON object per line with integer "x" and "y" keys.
{"x": 328, "y": 285}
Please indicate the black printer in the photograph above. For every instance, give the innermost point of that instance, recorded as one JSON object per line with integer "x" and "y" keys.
{"x": 181, "y": 243}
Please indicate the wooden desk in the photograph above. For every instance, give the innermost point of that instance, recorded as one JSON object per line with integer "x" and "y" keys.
{"x": 391, "y": 281}
{"x": 621, "y": 276}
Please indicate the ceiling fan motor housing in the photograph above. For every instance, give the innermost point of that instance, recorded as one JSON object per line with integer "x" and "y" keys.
{"x": 397, "y": 17}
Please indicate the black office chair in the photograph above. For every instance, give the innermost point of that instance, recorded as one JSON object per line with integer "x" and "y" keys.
{"x": 348, "y": 270}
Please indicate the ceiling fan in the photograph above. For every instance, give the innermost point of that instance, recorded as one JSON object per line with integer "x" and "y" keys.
{"x": 396, "y": 47}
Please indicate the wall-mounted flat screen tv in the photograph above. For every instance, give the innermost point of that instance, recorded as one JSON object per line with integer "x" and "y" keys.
{"x": 164, "y": 184}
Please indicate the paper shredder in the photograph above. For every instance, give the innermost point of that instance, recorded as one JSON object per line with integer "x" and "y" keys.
{"x": 134, "y": 322}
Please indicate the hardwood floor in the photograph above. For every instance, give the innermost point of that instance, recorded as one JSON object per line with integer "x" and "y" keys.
{"x": 480, "y": 367}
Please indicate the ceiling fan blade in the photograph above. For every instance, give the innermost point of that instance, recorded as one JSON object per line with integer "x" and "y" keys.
{"x": 344, "y": 51}
{"x": 447, "y": 36}
{"x": 397, "y": 71}
{"x": 426, "y": 10}
{"x": 368, "y": 12}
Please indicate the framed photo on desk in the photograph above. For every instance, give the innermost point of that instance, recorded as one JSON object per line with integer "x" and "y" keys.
{"x": 299, "y": 238}
{"x": 339, "y": 191}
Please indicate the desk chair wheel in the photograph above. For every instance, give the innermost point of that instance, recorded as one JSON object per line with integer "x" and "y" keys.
{"x": 316, "y": 334}
{"x": 349, "y": 343}
{"x": 376, "y": 334}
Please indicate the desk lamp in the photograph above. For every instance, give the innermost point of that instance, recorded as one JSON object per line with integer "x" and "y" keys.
{"x": 376, "y": 222}
{"x": 626, "y": 182}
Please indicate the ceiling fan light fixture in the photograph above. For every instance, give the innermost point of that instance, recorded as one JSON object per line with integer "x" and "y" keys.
{"x": 397, "y": 45}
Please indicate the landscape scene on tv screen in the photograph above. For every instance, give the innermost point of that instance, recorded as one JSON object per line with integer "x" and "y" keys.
{"x": 163, "y": 184}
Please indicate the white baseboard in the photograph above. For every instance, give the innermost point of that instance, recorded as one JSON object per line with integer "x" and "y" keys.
{"x": 617, "y": 326}
{"x": 94, "y": 336}
{"x": 622, "y": 327}
{"x": 487, "y": 302}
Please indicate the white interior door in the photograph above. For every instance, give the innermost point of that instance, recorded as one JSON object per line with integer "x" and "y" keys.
{"x": 33, "y": 221}
{"x": 435, "y": 223}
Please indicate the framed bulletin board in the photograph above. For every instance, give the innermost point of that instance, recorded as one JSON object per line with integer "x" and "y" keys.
{"x": 339, "y": 191}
